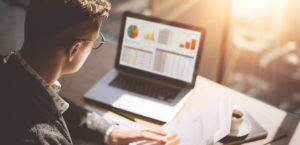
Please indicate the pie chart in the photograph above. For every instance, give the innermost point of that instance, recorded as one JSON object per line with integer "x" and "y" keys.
{"x": 132, "y": 31}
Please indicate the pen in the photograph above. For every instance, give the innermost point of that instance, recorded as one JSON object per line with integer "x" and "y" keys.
{"x": 123, "y": 115}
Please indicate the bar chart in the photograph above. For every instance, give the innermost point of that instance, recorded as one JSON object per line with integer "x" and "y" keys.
{"x": 191, "y": 45}
{"x": 149, "y": 36}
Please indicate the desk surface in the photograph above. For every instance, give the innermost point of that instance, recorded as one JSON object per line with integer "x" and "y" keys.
{"x": 205, "y": 91}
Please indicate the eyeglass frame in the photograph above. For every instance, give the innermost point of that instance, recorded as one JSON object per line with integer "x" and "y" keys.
{"x": 101, "y": 42}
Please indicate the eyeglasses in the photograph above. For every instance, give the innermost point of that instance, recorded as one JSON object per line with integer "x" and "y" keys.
{"x": 99, "y": 42}
{"x": 96, "y": 43}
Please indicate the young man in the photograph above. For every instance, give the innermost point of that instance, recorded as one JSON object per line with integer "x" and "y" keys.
{"x": 59, "y": 36}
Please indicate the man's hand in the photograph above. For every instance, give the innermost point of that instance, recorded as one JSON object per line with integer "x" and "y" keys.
{"x": 125, "y": 136}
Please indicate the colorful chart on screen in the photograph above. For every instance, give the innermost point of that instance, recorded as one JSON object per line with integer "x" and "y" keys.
{"x": 190, "y": 45}
{"x": 132, "y": 31}
{"x": 149, "y": 36}
{"x": 161, "y": 49}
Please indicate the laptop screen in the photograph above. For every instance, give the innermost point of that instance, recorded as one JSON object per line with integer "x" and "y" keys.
{"x": 159, "y": 48}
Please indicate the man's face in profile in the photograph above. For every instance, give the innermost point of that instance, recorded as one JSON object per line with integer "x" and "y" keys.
{"x": 77, "y": 53}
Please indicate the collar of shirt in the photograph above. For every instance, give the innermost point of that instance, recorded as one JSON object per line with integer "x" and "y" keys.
{"x": 53, "y": 89}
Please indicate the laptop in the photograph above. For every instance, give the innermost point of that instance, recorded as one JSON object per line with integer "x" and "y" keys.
{"x": 155, "y": 68}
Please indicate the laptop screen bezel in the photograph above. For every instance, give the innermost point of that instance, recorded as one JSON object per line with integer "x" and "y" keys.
{"x": 151, "y": 75}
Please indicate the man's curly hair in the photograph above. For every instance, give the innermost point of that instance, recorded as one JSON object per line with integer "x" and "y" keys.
{"x": 92, "y": 7}
{"x": 46, "y": 17}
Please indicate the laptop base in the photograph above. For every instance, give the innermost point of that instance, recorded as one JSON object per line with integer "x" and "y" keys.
{"x": 134, "y": 102}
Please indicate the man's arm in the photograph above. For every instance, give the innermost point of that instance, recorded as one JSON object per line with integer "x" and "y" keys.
{"x": 92, "y": 127}
{"x": 84, "y": 124}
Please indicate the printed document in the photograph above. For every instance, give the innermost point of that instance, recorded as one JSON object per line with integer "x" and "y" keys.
{"x": 201, "y": 127}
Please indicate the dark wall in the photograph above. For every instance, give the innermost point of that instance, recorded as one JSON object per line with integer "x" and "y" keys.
{"x": 11, "y": 27}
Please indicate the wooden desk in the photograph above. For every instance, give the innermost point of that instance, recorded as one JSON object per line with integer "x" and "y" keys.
{"x": 271, "y": 118}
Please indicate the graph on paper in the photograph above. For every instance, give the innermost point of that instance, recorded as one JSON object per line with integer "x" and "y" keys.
{"x": 196, "y": 127}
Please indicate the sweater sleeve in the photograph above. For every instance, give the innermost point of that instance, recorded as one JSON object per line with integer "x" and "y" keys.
{"x": 85, "y": 125}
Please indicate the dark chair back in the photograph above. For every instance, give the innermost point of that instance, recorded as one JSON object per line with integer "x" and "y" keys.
{"x": 1, "y": 59}
{"x": 1, "y": 62}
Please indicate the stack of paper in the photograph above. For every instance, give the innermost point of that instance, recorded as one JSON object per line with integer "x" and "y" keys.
{"x": 192, "y": 127}
{"x": 201, "y": 127}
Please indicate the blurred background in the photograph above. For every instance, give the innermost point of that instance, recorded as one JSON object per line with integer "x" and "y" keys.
{"x": 252, "y": 46}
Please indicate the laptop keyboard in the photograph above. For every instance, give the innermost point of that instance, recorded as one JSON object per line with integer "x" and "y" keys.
{"x": 143, "y": 87}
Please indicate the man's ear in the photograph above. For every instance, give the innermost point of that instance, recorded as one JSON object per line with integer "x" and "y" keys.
{"x": 73, "y": 50}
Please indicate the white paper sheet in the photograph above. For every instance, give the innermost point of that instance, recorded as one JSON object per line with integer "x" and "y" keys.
{"x": 203, "y": 127}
